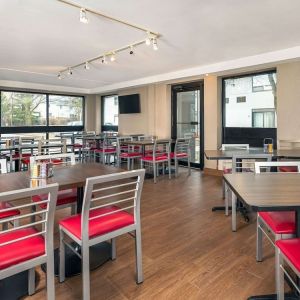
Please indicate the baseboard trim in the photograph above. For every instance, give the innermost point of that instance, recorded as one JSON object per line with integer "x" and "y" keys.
{"x": 214, "y": 172}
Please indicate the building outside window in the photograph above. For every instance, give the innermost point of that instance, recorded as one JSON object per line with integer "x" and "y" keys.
{"x": 110, "y": 113}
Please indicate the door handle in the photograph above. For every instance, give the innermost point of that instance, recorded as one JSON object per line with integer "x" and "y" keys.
{"x": 194, "y": 123}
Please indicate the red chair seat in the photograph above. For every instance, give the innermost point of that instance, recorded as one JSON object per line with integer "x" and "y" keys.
{"x": 17, "y": 155}
{"x": 20, "y": 251}
{"x": 288, "y": 169}
{"x": 64, "y": 197}
{"x": 26, "y": 161}
{"x": 291, "y": 249}
{"x": 77, "y": 146}
{"x": 130, "y": 154}
{"x": 9, "y": 213}
{"x": 100, "y": 225}
{"x": 157, "y": 158}
{"x": 281, "y": 222}
{"x": 107, "y": 150}
{"x": 180, "y": 155}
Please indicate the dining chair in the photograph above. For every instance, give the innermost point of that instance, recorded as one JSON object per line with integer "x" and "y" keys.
{"x": 160, "y": 154}
{"x": 126, "y": 152}
{"x": 24, "y": 247}
{"x": 23, "y": 152}
{"x": 288, "y": 144}
{"x": 287, "y": 253}
{"x": 182, "y": 150}
{"x": 281, "y": 224}
{"x": 65, "y": 198}
{"x": 5, "y": 207}
{"x": 111, "y": 208}
{"x": 108, "y": 149}
{"x": 52, "y": 146}
{"x": 242, "y": 163}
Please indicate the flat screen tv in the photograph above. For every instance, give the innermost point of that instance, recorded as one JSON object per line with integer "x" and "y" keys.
{"x": 129, "y": 104}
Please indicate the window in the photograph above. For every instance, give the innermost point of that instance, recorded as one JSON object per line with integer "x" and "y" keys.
{"x": 65, "y": 110}
{"x": 110, "y": 113}
{"x": 263, "y": 118}
{"x": 255, "y": 92}
{"x": 23, "y": 109}
{"x": 40, "y": 113}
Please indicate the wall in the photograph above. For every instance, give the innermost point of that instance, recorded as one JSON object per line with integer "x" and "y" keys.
{"x": 288, "y": 98}
{"x": 90, "y": 112}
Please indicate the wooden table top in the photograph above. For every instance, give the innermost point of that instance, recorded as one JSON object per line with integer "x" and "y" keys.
{"x": 71, "y": 176}
{"x": 228, "y": 154}
{"x": 266, "y": 192}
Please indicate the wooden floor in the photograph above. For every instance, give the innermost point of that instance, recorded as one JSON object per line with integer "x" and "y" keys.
{"x": 189, "y": 252}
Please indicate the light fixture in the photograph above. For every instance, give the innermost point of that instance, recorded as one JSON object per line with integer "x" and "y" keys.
{"x": 154, "y": 44}
{"x": 113, "y": 56}
{"x": 148, "y": 39}
{"x": 59, "y": 76}
{"x": 83, "y": 16}
{"x": 86, "y": 66}
{"x": 104, "y": 61}
{"x": 206, "y": 74}
{"x": 131, "y": 52}
{"x": 70, "y": 72}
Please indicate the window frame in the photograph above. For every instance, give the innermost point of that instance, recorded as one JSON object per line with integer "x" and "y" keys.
{"x": 246, "y": 135}
{"x": 41, "y": 128}
{"x": 107, "y": 127}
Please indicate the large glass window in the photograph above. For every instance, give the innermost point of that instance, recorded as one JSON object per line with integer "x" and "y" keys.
{"x": 65, "y": 110}
{"x": 110, "y": 110}
{"x": 23, "y": 109}
{"x": 250, "y": 101}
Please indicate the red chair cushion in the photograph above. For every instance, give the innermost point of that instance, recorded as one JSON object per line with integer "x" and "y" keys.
{"x": 107, "y": 150}
{"x": 17, "y": 155}
{"x": 157, "y": 158}
{"x": 26, "y": 161}
{"x": 20, "y": 251}
{"x": 288, "y": 169}
{"x": 281, "y": 222}
{"x": 63, "y": 197}
{"x": 291, "y": 249}
{"x": 180, "y": 155}
{"x": 77, "y": 146}
{"x": 130, "y": 154}
{"x": 9, "y": 213}
{"x": 227, "y": 171}
{"x": 101, "y": 225}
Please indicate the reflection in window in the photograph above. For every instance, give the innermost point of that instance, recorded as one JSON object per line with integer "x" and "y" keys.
{"x": 110, "y": 111}
{"x": 22, "y": 109}
{"x": 65, "y": 110}
{"x": 257, "y": 93}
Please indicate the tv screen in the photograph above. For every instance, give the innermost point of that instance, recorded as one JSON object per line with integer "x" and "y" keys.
{"x": 129, "y": 104}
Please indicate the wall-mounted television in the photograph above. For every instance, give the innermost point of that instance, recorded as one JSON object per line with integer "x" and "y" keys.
{"x": 129, "y": 104}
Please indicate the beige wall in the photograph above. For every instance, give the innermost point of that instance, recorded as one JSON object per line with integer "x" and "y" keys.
{"x": 288, "y": 95}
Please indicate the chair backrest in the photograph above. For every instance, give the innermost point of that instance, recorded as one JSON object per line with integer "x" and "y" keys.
{"x": 183, "y": 145}
{"x": 235, "y": 147}
{"x": 120, "y": 191}
{"x": 21, "y": 200}
{"x": 276, "y": 165}
{"x": 52, "y": 146}
{"x": 65, "y": 158}
{"x": 246, "y": 163}
{"x": 3, "y": 166}
{"x": 161, "y": 148}
{"x": 121, "y": 147}
{"x": 146, "y": 137}
{"x": 288, "y": 144}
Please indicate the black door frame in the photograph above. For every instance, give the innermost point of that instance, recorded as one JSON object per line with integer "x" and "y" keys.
{"x": 191, "y": 86}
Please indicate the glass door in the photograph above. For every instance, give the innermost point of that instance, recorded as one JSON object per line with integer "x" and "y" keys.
{"x": 187, "y": 118}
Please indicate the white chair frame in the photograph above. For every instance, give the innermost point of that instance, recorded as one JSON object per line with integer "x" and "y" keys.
{"x": 261, "y": 225}
{"x": 85, "y": 242}
{"x": 47, "y": 223}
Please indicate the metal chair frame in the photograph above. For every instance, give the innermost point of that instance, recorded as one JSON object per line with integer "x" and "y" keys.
{"x": 261, "y": 225}
{"x": 93, "y": 199}
{"x": 46, "y": 231}
{"x": 182, "y": 145}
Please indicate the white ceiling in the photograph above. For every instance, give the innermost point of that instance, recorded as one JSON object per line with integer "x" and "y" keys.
{"x": 39, "y": 38}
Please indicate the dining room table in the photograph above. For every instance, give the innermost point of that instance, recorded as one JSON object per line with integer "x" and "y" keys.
{"x": 69, "y": 176}
{"x": 268, "y": 192}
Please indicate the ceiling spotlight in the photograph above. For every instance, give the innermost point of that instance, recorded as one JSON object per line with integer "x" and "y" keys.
{"x": 59, "y": 75}
{"x": 206, "y": 74}
{"x": 87, "y": 66}
{"x": 70, "y": 72}
{"x": 148, "y": 39}
{"x": 154, "y": 44}
{"x": 131, "y": 52}
{"x": 113, "y": 56}
{"x": 83, "y": 16}
{"x": 104, "y": 61}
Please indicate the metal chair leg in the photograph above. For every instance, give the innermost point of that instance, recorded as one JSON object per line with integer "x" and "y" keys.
{"x": 113, "y": 249}
{"x": 227, "y": 192}
{"x": 50, "y": 276}
{"x": 189, "y": 165}
{"x": 31, "y": 281}
{"x": 259, "y": 240}
{"x": 62, "y": 272}
{"x": 85, "y": 262}
{"x": 128, "y": 164}
{"x": 154, "y": 172}
{"x": 279, "y": 274}
{"x": 233, "y": 209}
{"x": 169, "y": 167}
{"x": 138, "y": 249}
